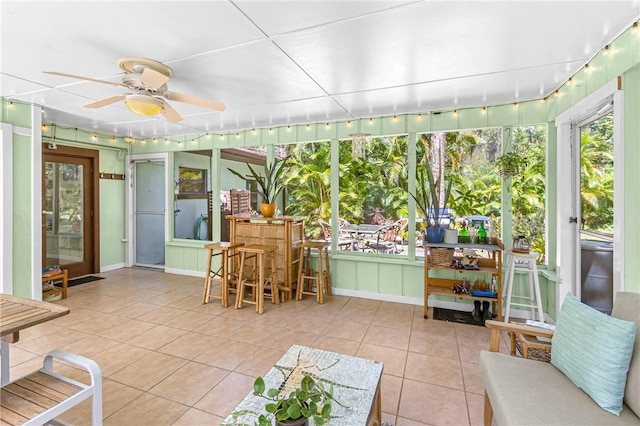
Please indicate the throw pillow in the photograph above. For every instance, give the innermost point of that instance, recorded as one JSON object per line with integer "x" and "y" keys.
{"x": 593, "y": 350}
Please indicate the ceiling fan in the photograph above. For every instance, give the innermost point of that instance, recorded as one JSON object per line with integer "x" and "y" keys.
{"x": 147, "y": 81}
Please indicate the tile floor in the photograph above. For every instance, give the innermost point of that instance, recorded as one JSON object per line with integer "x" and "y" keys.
{"x": 166, "y": 359}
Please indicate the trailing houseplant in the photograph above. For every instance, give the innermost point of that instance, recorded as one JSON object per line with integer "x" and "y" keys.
{"x": 269, "y": 184}
{"x": 510, "y": 163}
{"x": 308, "y": 400}
{"x": 429, "y": 202}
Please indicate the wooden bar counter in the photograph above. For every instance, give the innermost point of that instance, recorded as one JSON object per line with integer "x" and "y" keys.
{"x": 285, "y": 232}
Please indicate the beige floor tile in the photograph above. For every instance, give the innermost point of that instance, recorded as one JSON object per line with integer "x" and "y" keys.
{"x": 89, "y": 346}
{"x": 157, "y": 337}
{"x": 226, "y": 395}
{"x": 44, "y": 344}
{"x": 161, "y": 315}
{"x": 127, "y": 330}
{"x": 434, "y": 405}
{"x": 190, "y": 383}
{"x": 393, "y": 359}
{"x": 118, "y": 357}
{"x": 391, "y": 387}
{"x": 114, "y": 396}
{"x": 334, "y": 344}
{"x": 220, "y": 327}
{"x": 149, "y": 329}
{"x": 148, "y": 371}
{"x": 18, "y": 356}
{"x": 472, "y": 378}
{"x": 259, "y": 362}
{"x": 227, "y": 355}
{"x": 194, "y": 417}
{"x": 284, "y": 339}
{"x": 388, "y": 418}
{"x": 135, "y": 309}
{"x": 388, "y": 337}
{"x": 442, "y": 345}
{"x": 147, "y": 409}
{"x": 190, "y": 345}
{"x": 346, "y": 330}
{"x": 188, "y": 321}
{"x": 406, "y": 422}
{"x": 475, "y": 404}
{"x": 434, "y": 370}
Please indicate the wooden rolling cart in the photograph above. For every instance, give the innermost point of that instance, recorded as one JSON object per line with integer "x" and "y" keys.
{"x": 491, "y": 265}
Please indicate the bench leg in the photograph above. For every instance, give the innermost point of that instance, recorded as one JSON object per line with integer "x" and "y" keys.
{"x": 488, "y": 410}
{"x": 4, "y": 361}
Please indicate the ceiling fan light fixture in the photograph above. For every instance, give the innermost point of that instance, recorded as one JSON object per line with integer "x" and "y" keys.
{"x": 144, "y": 105}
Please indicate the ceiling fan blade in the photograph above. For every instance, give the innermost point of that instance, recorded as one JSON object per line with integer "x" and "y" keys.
{"x": 193, "y": 100}
{"x": 170, "y": 114}
{"x": 79, "y": 77}
{"x": 153, "y": 78}
{"x": 106, "y": 101}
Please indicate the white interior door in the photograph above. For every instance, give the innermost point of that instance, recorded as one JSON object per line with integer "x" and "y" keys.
{"x": 569, "y": 190}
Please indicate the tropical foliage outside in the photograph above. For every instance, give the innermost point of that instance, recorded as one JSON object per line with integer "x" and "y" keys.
{"x": 374, "y": 187}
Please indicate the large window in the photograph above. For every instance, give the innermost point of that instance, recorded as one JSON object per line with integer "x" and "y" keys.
{"x": 528, "y": 187}
{"x": 308, "y": 183}
{"x": 373, "y": 194}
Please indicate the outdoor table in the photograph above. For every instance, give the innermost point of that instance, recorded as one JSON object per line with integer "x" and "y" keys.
{"x": 358, "y": 232}
{"x": 355, "y": 382}
{"x": 18, "y": 313}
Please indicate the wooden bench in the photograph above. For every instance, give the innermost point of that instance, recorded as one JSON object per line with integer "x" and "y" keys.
{"x": 43, "y": 395}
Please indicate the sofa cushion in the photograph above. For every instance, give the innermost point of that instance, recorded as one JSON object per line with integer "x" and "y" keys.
{"x": 627, "y": 307}
{"x": 528, "y": 392}
{"x": 593, "y": 350}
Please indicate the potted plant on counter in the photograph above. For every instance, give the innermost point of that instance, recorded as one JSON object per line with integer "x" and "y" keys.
{"x": 308, "y": 400}
{"x": 430, "y": 203}
{"x": 269, "y": 184}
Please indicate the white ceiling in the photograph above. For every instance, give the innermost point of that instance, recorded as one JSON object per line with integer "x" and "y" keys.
{"x": 286, "y": 62}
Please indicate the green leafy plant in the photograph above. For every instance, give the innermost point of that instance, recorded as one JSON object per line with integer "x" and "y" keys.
{"x": 269, "y": 183}
{"x": 428, "y": 195}
{"x": 309, "y": 400}
{"x": 510, "y": 163}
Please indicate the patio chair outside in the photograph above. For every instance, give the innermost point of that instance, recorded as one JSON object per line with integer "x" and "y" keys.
{"x": 384, "y": 240}
{"x": 343, "y": 243}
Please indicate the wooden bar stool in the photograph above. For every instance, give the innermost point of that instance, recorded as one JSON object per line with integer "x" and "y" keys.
{"x": 309, "y": 278}
{"x": 226, "y": 272}
{"x": 257, "y": 279}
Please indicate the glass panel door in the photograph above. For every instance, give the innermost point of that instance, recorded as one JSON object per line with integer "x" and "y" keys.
{"x": 596, "y": 211}
{"x": 66, "y": 214}
{"x": 150, "y": 214}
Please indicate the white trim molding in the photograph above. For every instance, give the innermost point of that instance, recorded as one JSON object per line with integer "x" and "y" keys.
{"x": 6, "y": 208}
{"x": 36, "y": 202}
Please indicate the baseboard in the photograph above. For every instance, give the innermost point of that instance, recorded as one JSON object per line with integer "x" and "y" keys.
{"x": 377, "y": 296}
{"x": 187, "y": 272}
{"x": 112, "y": 267}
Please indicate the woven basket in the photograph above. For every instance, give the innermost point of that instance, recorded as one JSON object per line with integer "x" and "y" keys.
{"x": 441, "y": 256}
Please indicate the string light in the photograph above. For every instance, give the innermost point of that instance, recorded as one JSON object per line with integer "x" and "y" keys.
{"x": 308, "y": 126}
{"x": 349, "y": 123}
{"x": 634, "y": 27}
{"x": 419, "y": 116}
{"x": 371, "y": 121}
{"x": 328, "y": 125}
{"x": 207, "y": 135}
{"x": 94, "y": 137}
{"x": 288, "y": 128}
{"x": 570, "y": 81}
{"x": 237, "y": 135}
{"x": 155, "y": 140}
{"x": 44, "y": 127}
{"x": 114, "y": 140}
{"x": 606, "y": 50}
{"x": 10, "y": 104}
{"x": 516, "y": 104}
{"x": 455, "y": 112}
{"x": 395, "y": 118}
{"x": 484, "y": 110}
